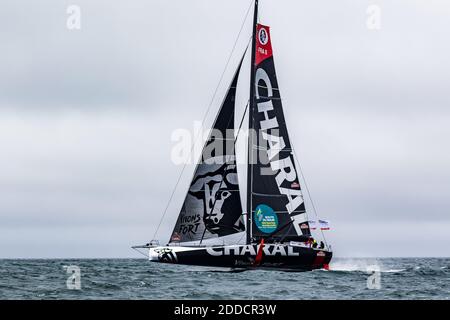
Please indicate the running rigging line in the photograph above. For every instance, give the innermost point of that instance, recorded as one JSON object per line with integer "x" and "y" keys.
{"x": 309, "y": 195}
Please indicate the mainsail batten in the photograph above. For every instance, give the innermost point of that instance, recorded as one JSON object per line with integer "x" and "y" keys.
{"x": 212, "y": 207}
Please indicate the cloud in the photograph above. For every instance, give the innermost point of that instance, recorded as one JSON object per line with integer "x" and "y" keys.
{"x": 86, "y": 118}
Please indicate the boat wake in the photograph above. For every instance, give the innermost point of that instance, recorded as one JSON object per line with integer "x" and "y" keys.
{"x": 362, "y": 265}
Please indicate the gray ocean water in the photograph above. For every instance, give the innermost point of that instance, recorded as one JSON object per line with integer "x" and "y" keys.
{"x": 411, "y": 278}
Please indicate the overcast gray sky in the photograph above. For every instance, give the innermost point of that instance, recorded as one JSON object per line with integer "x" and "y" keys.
{"x": 86, "y": 117}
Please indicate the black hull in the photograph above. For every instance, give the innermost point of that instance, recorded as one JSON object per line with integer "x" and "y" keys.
{"x": 279, "y": 257}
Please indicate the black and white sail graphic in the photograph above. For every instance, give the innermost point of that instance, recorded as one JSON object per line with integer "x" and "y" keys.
{"x": 275, "y": 194}
{"x": 212, "y": 207}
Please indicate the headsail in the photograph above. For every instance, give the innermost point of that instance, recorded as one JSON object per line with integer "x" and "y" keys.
{"x": 275, "y": 193}
{"x": 212, "y": 207}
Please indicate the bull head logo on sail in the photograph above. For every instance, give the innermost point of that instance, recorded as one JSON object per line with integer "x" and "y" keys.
{"x": 217, "y": 199}
{"x": 216, "y": 194}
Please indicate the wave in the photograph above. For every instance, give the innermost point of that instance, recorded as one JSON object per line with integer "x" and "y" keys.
{"x": 393, "y": 270}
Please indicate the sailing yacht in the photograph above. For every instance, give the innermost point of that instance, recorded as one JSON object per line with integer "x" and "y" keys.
{"x": 275, "y": 222}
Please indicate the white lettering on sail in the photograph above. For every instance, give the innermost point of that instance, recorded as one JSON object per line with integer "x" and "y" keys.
{"x": 275, "y": 143}
{"x": 295, "y": 198}
{"x": 268, "y": 123}
{"x": 285, "y": 166}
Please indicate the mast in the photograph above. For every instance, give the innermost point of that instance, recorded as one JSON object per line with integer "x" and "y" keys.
{"x": 250, "y": 126}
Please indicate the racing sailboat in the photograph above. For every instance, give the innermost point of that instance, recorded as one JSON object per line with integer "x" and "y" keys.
{"x": 275, "y": 223}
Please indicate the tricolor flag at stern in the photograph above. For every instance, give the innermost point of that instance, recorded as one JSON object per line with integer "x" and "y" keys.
{"x": 324, "y": 225}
